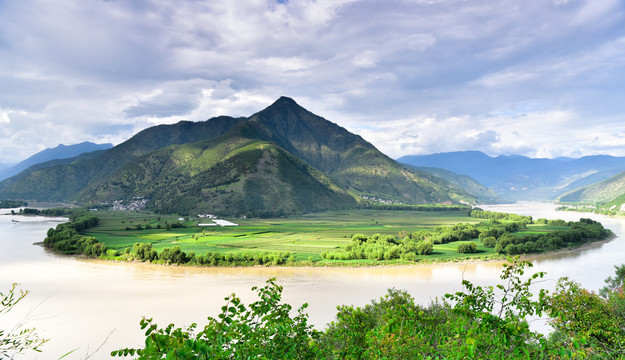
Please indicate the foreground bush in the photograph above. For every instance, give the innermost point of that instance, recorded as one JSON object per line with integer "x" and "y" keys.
{"x": 262, "y": 330}
{"x": 19, "y": 339}
{"x": 487, "y": 322}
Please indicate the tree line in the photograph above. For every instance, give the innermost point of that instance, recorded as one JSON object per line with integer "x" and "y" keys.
{"x": 7, "y": 204}
{"x": 175, "y": 256}
{"x": 66, "y": 237}
{"x": 501, "y": 232}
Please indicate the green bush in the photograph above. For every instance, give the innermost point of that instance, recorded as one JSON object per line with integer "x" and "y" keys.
{"x": 489, "y": 242}
{"x": 467, "y": 248}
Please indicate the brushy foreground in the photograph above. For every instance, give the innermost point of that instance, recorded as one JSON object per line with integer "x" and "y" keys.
{"x": 480, "y": 322}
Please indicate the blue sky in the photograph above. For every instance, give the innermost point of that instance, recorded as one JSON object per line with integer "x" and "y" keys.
{"x": 537, "y": 78}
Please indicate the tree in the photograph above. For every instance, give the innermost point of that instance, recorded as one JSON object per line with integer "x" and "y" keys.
{"x": 262, "y": 330}
{"x": 19, "y": 339}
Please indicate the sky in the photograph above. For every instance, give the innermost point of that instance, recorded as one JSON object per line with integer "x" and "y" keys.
{"x": 541, "y": 78}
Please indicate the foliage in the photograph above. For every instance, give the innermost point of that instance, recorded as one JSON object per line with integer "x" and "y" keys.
{"x": 479, "y": 322}
{"x": 467, "y": 247}
{"x": 481, "y": 214}
{"x": 66, "y": 237}
{"x": 614, "y": 283}
{"x": 593, "y": 324}
{"x": 579, "y": 232}
{"x": 19, "y": 339}
{"x": 489, "y": 241}
{"x": 7, "y": 204}
{"x": 262, "y": 330}
{"x": 175, "y": 256}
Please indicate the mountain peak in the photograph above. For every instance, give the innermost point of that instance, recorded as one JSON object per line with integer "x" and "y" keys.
{"x": 285, "y": 100}
{"x": 282, "y": 104}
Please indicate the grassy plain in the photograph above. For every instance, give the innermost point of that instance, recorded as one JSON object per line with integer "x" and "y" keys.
{"x": 305, "y": 237}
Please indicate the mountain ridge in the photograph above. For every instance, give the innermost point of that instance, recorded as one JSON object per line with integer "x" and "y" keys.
{"x": 57, "y": 153}
{"x": 253, "y": 165}
{"x": 523, "y": 178}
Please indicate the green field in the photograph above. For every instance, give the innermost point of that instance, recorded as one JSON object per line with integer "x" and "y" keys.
{"x": 305, "y": 237}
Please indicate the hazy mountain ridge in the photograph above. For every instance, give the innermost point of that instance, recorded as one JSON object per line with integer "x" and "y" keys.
{"x": 467, "y": 183}
{"x": 58, "y": 153}
{"x": 607, "y": 193}
{"x": 283, "y": 159}
{"x": 519, "y": 177}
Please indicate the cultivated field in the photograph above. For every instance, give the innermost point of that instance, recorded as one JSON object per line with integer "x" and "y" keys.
{"x": 305, "y": 237}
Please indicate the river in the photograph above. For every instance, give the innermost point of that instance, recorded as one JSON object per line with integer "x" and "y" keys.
{"x": 91, "y": 307}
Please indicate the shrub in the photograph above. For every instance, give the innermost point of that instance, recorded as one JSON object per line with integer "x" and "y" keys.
{"x": 489, "y": 242}
{"x": 467, "y": 248}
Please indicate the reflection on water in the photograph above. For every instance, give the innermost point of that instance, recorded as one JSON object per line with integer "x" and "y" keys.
{"x": 78, "y": 303}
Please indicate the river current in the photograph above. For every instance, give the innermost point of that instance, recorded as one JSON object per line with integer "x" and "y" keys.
{"x": 92, "y": 307}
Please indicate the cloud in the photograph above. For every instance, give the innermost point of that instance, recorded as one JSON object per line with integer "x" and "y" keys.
{"x": 410, "y": 76}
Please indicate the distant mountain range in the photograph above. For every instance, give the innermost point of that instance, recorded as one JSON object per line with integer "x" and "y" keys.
{"x": 522, "y": 178}
{"x": 57, "y": 153}
{"x": 279, "y": 161}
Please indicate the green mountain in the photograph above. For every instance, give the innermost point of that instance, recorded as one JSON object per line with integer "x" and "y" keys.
{"x": 61, "y": 181}
{"x": 281, "y": 160}
{"x": 609, "y": 193}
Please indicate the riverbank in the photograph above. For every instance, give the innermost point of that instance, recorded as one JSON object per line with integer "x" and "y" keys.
{"x": 495, "y": 259}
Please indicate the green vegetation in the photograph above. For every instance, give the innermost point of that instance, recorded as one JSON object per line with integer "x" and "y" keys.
{"x": 19, "y": 339}
{"x": 333, "y": 238}
{"x": 606, "y": 197}
{"x": 7, "y": 204}
{"x": 479, "y": 322}
{"x": 66, "y": 237}
{"x": 46, "y": 212}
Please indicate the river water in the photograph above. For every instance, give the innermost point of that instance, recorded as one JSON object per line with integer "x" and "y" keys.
{"x": 93, "y": 307}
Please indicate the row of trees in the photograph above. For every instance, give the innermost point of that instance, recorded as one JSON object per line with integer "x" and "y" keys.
{"x": 381, "y": 247}
{"x": 500, "y": 232}
{"x": 175, "y": 256}
{"x": 66, "y": 237}
{"x": 429, "y": 207}
{"x": 479, "y": 322}
{"x": 44, "y": 212}
{"x": 7, "y": 204}
{"x": 578, "y": 232}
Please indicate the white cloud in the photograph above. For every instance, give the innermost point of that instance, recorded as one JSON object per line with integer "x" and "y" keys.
{"x": 410, "y": 76}
{"x": 4, "y": 118}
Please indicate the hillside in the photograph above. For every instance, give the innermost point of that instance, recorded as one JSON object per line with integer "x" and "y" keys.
{"x": 467, "y": 183}
{"x": 348, "y": 159}
{"x": 283, "y": 159}
{"x": 522, "y": 178}
{"x": 607, "y": 193}
{"x": 57, "y": 153}
{"x": 62, "y": 181}
{"x": 232, "y": 174}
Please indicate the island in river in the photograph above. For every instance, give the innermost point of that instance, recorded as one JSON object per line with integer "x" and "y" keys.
{"x": 361, "y": 237}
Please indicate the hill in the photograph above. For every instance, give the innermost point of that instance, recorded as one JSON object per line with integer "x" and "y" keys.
{"x": 54, "y": 181}
{"x": 522, "y": 178}
{"x": 608, "y": 193}
{"x": 282, "y": 160}
{"x": 59, "y": 152}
